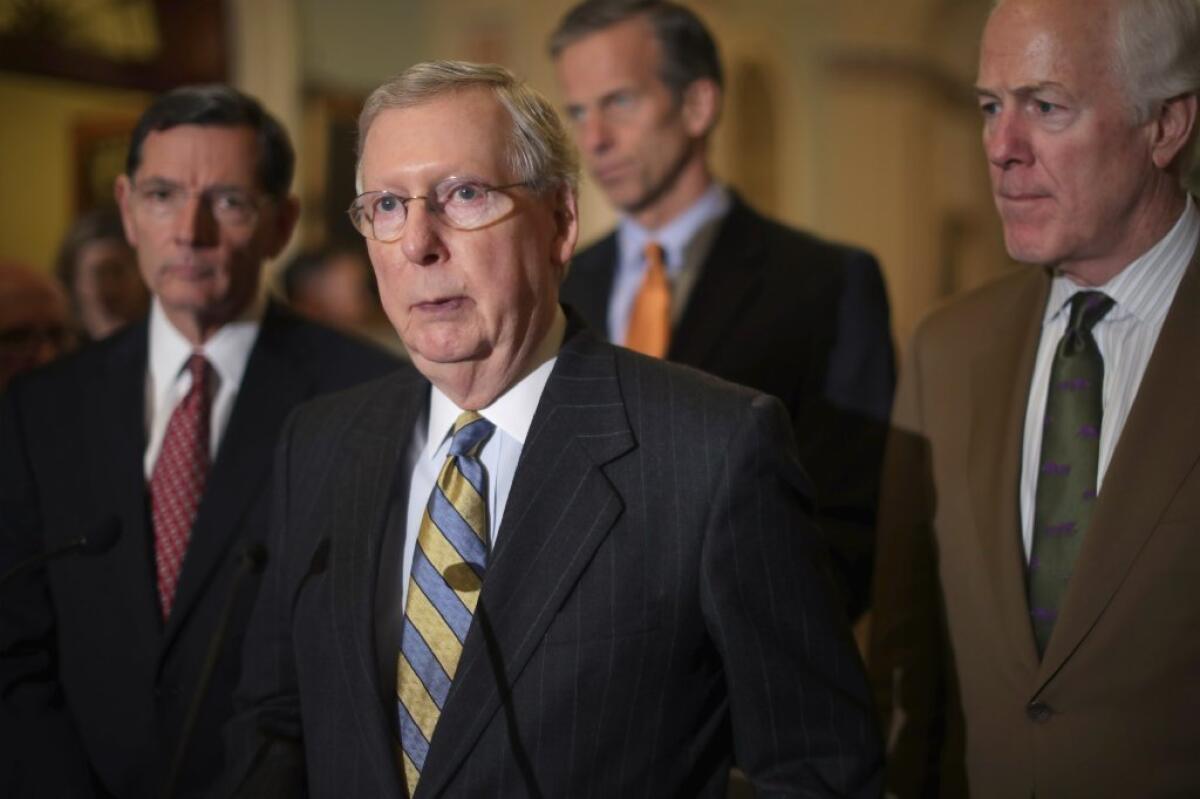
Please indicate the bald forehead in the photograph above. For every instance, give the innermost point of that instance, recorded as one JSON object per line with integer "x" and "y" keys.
{"x": 1068, "y": 42}
{"x": 1091, "y": 21}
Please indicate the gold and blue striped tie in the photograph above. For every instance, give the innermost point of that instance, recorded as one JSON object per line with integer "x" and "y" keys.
{"x": 443, "y": 588}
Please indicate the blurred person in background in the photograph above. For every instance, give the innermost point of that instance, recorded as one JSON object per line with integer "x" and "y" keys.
{"x": 695, "y": 274}
{"x": 335, "y": 286}
{"x": 34, "y": 323}
{"x": 99, "y": 270}
{"x": 158, "y": 441}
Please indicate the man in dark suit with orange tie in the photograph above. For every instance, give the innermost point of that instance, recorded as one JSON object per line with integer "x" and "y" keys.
{"x": 156, "y": 445}
{"x": 538, "y": 565}
{"x": 694, "y": 274}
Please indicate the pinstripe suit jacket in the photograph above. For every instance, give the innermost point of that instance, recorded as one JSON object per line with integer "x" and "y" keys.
{"x": 652, "y": 609}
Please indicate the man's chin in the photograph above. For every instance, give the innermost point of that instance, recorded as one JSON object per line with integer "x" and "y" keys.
{"x": 443, "y": 355}
{"x": 1028, "y": 247}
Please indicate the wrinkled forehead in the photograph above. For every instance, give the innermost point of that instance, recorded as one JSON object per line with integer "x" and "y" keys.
{"x": 462, "y": 133}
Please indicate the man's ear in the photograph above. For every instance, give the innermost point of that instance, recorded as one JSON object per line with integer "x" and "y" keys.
{"x": 701, "y": 106}
{"x": 123, "y": 194}
{"x": 566, "y": 221}
{"x": 1171, "y": 129}
{"x": 287, "y": 213}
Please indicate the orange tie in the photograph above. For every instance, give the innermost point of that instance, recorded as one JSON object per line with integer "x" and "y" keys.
{"x": 650, "y": 322}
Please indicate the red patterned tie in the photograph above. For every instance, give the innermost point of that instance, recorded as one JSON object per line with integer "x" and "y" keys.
{"x": 177, "y": 482}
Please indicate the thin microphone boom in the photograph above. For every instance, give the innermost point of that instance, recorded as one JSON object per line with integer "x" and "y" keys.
{"x": 94, "y": 543}
{"x": 253, "y": 560}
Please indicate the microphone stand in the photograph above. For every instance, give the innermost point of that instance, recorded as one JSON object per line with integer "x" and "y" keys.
{"x": 254, "y": 558}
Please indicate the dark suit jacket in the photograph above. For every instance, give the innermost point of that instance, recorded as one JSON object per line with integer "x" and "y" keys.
{"x": 93, "y": 686}
{"x": 651, "y": 607}
{"x": 1111, "y": 708}
{"x": 786, "y": 313}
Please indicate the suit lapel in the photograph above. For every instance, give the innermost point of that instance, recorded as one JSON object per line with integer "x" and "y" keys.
{"x": 1000, "y": 379}
{"x": 367, "y": 464}
{"x": 590, "y": 282}
{"x": 1157, "y": 449}
{"x": 272, "y": 385}
{"x": 561, "y": 508}
{"x": 121, "y": 387}
{"x": 729, "y": 278}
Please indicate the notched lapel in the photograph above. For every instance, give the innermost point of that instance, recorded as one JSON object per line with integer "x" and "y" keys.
{"x": 729, "y": 278}
{"x": 1000, "y": 379}
{"x": 561, "y": 508}
{"x": 590, "y": 281}
{"x": 121, "y": 385}
{"x": 1158, "y": 448}
{"x": 361, "y": 477}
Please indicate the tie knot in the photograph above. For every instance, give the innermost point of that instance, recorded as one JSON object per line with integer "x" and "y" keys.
{"x": 199, "y": 369}
{"x": 1087, "y": 309}
{"x": 470, "y": 432}
{"x": 654, "y": 256}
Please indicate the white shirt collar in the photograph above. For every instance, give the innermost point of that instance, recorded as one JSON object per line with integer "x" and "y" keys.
{"x": 1138, "y": 289}
{"x": 674, "y": 236}
{"x": 512, "y": 412}
{"x": 228, "y": 350}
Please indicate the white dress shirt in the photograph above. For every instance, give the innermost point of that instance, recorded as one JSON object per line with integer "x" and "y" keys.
{"x": 1142, "y": 292}
{"x": 168, "y": 380}
{"x": 512, "y": 414}
{"x": 685, "y": 240}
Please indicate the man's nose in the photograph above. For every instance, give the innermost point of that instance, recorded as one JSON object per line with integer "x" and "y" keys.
{"x": 195, "y": 224}
{"x": 595, "y": 133}
{"x": 1006, "y": 140}
{"x": 421, "y": 238}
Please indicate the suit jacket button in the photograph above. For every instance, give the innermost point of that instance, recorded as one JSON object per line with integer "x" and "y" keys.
{"x": 1039, "y": 711}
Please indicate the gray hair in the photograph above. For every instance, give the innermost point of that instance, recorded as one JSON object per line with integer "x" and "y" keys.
{"x": 540, "y": 151}
{"x": 1158, "y": 57}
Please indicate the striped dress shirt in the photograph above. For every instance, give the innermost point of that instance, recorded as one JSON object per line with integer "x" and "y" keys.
{"x": 1143, "y": 292}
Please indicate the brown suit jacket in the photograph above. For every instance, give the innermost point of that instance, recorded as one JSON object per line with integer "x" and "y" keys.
{"x": 1112, "y": 709}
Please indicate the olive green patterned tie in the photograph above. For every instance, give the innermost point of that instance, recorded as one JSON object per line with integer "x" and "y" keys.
{"x": 1067, "y": 471}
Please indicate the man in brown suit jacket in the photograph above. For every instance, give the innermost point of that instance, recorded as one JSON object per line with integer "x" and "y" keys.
{"x": 1036, "y": 603}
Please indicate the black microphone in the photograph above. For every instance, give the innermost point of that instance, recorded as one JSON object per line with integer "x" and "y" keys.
{"x": 253, "y": 560}
{"x": 98, "y": 541}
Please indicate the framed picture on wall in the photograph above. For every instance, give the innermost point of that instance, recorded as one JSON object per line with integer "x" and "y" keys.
{"x": 151, "y": 45}
{"x": 99, "y": 146}
{"x": 326, "y": 176}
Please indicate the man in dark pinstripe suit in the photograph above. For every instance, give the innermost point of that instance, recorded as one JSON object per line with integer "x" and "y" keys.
{"x": 648, "y": 604}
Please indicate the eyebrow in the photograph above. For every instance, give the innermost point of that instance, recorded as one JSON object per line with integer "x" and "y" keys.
{"x": 1021, "y": 91}
{"x": 161, "y": 181}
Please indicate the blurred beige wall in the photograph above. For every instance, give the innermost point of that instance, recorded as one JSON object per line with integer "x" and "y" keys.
{"x": 852, "y": 118}
{"x": 39, "y": 118}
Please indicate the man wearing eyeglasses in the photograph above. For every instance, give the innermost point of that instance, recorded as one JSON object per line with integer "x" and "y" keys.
{"x": 545, "y": 566}
{"x": 156, "y": 446}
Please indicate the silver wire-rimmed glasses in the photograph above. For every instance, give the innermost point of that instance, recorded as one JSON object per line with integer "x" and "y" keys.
{"x": 461, "y": 203}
